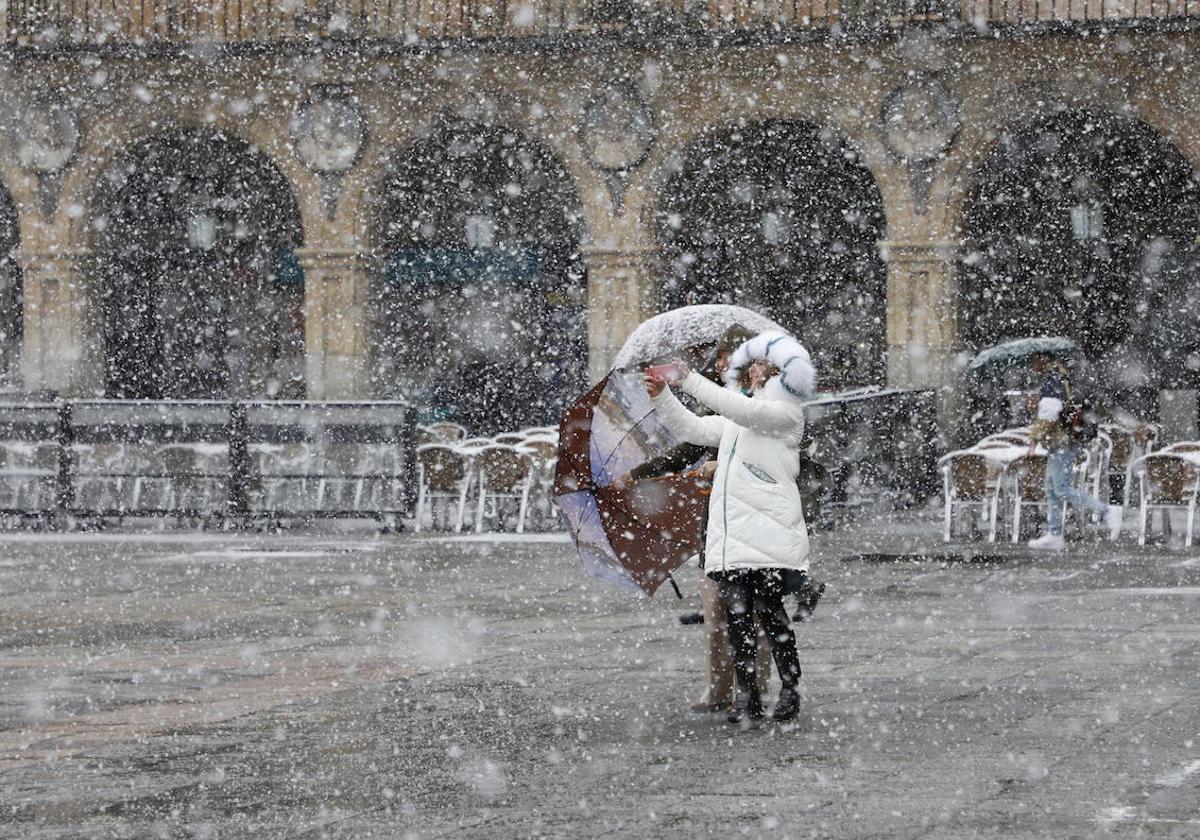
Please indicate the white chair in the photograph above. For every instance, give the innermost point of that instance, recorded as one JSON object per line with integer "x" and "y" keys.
{"x": 1183, "y": 446}
{"x": 970, "y": 480}
{"x": 503, "y": 472}
{"x": 443, "y": 472}
{"x": 1100, "y": 452}
{"x": 1009, "y": 438}
{"x": 1028, "y": 477}
{"x": 1167, "y": 481}
{"x": 440, "y": 432}
{"x": 1128, "y": 445}
{"x": 473, "y": 445}
{"x": 544, "y": 453}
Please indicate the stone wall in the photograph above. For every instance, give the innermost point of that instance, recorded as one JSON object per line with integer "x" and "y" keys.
{"x": 845, "y": 86}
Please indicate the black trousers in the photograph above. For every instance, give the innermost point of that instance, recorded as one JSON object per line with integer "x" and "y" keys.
{"x": 750, "y": 592}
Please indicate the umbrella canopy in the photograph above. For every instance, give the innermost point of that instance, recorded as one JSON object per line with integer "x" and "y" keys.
{"x": 1018, "y": 351}
{"x": 637, "y": 537}
{"x": 687, "y": 326}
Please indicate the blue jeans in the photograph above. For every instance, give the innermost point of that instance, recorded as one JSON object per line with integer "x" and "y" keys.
{"x": 1060, "y": 490}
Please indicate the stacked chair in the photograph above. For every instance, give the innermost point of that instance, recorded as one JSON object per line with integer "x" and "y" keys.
{"x": 999, "y": 475}
{"x": 497, "y": 480}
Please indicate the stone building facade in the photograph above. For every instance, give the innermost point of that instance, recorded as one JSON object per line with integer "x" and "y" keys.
{"x": 329, "y": 100}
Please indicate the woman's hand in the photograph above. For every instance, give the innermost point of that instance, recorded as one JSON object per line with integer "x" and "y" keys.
{"x": 623, "y": 481}
{"x": 708, "y": 469}
{"x": 654, "y": 385}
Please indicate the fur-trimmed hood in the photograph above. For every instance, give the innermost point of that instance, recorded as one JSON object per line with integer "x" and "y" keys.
{"x": 797, "y": 378}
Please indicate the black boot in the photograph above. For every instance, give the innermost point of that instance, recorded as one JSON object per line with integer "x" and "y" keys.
{"x": 747, "y": 706}
{"x": 807, "y": 600}
{"x": 787, "y": 705}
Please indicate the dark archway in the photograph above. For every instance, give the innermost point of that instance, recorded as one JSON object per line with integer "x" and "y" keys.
{"x": 782, "y": 216}
{"x": 202, "y": 294}
{"x": 12, "y": 317}
{"x": 481, "y": 307}
{"x": 1086, "y": 224}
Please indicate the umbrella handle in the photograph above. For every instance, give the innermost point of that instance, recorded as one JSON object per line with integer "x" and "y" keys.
{"x": 675, "y": 586}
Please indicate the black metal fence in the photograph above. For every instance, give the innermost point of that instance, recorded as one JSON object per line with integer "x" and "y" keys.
{"x": 230, "y": 461}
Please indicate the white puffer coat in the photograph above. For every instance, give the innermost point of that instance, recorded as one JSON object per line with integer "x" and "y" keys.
{"x": 755, "y": 519}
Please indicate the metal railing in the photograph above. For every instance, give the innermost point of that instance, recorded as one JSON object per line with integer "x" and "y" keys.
{"x": 230, "y": 461}
{"x": 880, "y": 446}
{"x": 413, "y": 22}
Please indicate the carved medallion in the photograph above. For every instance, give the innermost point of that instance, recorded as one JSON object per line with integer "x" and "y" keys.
{"x": 920, "y": 120}
{"x": 919, "y": 124}
{"x": 617, "y": 132}
{"x": 328, "y": 131}
{"x": 328, "y": 135}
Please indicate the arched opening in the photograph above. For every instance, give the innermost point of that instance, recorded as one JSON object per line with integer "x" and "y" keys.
{"x": 783, "y": 217}
{"x": 481, "y": 307}
{"x": 201, "y": 290}
{"x": 12, "y": 317}
{"x": 1086, "y": 225}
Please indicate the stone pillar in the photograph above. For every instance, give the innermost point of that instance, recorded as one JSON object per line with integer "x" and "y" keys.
{"x": 922, "y": 317}
{"x": 619, "y": 294}
{"x": 63, "y": 346}
{"x": 337, "y": 324}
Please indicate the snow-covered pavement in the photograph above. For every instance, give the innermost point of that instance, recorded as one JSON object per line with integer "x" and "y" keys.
{"x": 349, "y": 685}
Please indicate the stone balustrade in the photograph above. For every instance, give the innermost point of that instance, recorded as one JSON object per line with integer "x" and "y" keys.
{"x": 66, "y": 23}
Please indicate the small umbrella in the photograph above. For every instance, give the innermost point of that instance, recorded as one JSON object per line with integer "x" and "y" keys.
{"x": 633, "y": 538}
{"x": 688, "y": 326}
{"x": 1017, "y": 352}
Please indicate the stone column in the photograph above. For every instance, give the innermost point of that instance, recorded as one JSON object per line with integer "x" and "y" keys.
{"x": 922, "y": 316}
{"x": 63, "y": 345}
{"x": 619, "y": 294}
{"x": 337, "y": 324}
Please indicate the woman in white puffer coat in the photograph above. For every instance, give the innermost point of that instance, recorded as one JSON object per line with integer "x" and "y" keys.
{"x": 756, "y": 527}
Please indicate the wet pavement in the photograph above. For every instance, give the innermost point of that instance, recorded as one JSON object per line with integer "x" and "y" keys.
{"x": 352, "y": 685}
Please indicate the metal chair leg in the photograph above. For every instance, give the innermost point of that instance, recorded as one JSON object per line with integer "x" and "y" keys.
{"x": 995, "y": 507}
{"x": 462, "y": 505}
{"x": 482, "y": 504}
{"x": 523, "y": 509}
{"x": 1191, "y": 523}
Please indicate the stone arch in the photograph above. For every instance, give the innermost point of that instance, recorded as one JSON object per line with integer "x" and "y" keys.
{"x": 12, "y": 326}
{"x": 480, "y": 304}
{"x": 751, "y": 209}
{"x": 1086, "y": 223}
{"x": 194, "y": 233}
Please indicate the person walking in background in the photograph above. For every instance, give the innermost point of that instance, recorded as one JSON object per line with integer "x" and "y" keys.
{"x": 1063, "y": 427}
{"x": 756, "y": 534}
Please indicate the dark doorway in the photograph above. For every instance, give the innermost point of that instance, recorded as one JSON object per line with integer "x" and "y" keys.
{"x": 202, "y": 294}
{"x": 783, "y": 217}
{"x": 1085, "y": 224}
{"x": 482, "y": 300}
{"x": 12, "y": 317}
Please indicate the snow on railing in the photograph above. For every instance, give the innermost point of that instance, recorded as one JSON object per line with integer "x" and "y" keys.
{"x": 209, "y": 459}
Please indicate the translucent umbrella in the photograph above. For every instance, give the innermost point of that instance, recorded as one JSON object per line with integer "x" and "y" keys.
{"x": 1018, "y": 351}
{"x": 687, "y": 326}
{"x": 634, "y": 537}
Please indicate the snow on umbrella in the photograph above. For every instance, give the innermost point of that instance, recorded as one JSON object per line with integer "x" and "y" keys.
{"x": 687, "y": 326}
{"x": 1018, "y": 351}
{"x": 636, "y": 537}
